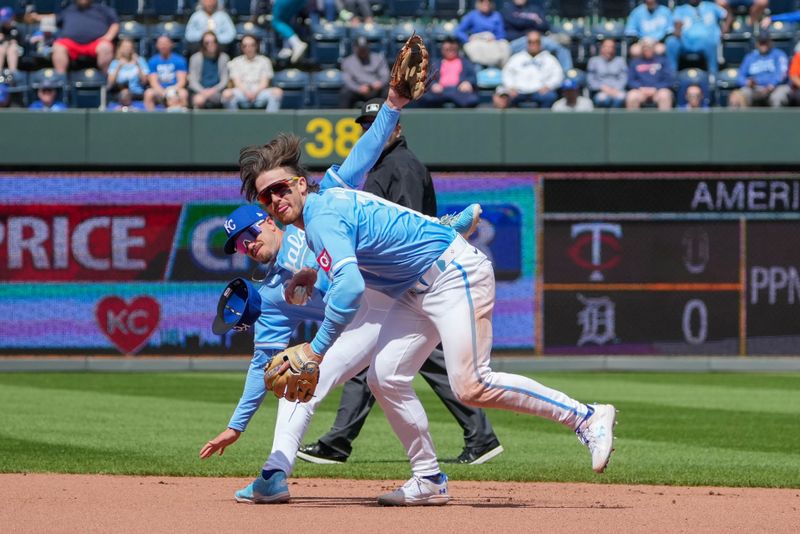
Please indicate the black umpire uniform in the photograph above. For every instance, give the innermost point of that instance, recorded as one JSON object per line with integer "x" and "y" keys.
{"x": 400, "y": 177}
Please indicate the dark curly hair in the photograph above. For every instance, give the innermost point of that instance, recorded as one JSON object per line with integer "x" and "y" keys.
{"x": 283, "y": 151}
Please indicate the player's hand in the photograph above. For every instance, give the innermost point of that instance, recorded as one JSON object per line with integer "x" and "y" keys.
{"x": 305, "y": 278}
{"x": 225, "y": 438}
{"x": 395, "y": 100}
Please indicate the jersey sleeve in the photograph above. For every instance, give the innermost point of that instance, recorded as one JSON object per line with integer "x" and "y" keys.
{"x": 254, "y": 390}
{"x": 351, "y": 173}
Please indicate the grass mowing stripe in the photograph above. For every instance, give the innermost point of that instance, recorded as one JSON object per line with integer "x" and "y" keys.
{"x": 155, "y": 424}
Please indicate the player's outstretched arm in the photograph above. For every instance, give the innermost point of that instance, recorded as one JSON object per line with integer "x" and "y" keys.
{"x": 225, "y": 438}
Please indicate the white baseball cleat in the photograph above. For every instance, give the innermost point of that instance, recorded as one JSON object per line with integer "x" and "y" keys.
{"x": 418, "y": 491}
{"x": 597, "y": 433}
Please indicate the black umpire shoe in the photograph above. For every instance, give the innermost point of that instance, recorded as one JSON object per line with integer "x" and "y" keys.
{"x": 476, "y": 455}
{"x": 319, "y": 453}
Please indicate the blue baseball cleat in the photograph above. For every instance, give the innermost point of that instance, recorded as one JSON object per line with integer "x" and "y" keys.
{"x": 466, "y": 222}
{"x": 270, "y": 491}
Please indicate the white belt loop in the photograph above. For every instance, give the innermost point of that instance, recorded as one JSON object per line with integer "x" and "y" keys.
{"x": 452, "y": 251}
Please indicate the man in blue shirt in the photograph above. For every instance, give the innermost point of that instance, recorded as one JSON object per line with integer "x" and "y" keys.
{"x": 762, "y": 75}
{"x": 47, "y": 100}
{"x": 650, "y": 79}
{"x": 443, "y": 290}
{"x": 167, "y": 71}
{"x": 697, "y": 29}
{"x": 484, "y": 36}
{"x": 649, "y": 20}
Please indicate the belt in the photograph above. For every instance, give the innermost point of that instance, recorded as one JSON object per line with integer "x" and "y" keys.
{"x": 456, "y": 247}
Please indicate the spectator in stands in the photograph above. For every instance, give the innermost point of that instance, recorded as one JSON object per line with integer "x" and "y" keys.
{"x": 283, "y": 14}
{"x": 365, "y": 74}
{"x": 10, "y": 41}
{"x": 522, "y": 16}
{"x": 210, "y": 18}
{"x": 454, "y": 79}
{"x": 39, "y": 46}
{"x": 167, "y": 71}
{"x": 128, "y": 71}
{"x": 531, "y": 76}
{"x": 608, "y": 76}
{"x": 695, "y": 99}
{"x": 85, "y": 29}
{"x": 208, "y": 73}
{"x": 572, "y": 100}
{"x": 47, "y": 101}
{"x": 251, "y": 73}
{"x": 650, "y": 79}
{"x": 125, "y": 103}
{"x": 484, "y": 36}
{"x": 794, "y": 79}
{"x": 356, "y": 12}
{"x": 649, "y": 20}
{"x": 762, "y": 75}
{"x": 756, "y": 10}
{"x": 174, "y": 101}
{"x": 696, "y": 30}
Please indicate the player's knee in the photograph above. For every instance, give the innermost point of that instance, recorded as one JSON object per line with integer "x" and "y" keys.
{"x": 471, "y": 392}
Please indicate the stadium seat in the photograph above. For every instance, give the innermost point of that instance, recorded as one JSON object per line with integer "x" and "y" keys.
{"x": 783, "y": 36}
{"x": 295, "y": 85}
{"x": 328, "y": 44}
{"x": 614, "y": 9}
{"x": 576, "y": 30}
{"x": 128, "y": 8}
{"x": 240, "y": 9}
{"x": 608, "y": 29}
{"x": 163, "y": 8}
{"x": 47, "y": 6}
{"x": 327, "y": 84}
{"x": 571, "y": 9}
{"x": 249, "y": 28}
{"x": 404, "y": 8}
{"x": 727, "y": 82}
{"x": 689, "y": 77}
{"x": 450, "y": 9}
{"x": 88, "y": 88}
{"x": 488, "y": 80}
{"x": 782, "y": 6}
{"x": 399, "y": 34}
{"x": 438, "y": 34}
{"x": 737, "y": 43}
{"x": 130, "y": 29}
{"x": 375, "y": 34}
{"x": 173, "y": 30}
{"x": 19, "y": 90}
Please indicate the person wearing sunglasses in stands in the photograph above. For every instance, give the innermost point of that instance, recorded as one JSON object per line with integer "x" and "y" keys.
{"x": 283, "y": 252}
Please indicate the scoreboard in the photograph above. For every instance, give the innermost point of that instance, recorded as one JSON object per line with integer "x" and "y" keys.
{"x": 665, "y": 265}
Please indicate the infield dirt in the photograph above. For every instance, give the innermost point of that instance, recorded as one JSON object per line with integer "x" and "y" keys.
{"x": 89, "y": 503}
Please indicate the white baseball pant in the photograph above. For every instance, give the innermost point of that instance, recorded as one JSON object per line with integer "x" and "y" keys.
{"x": 456, "y": 309}
{"x": 348, "y": 356}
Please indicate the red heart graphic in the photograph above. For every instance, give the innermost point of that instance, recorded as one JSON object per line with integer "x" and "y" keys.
{"x": 128, "y": 326}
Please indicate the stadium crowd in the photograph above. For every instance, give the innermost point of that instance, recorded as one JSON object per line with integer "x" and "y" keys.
{"x": 568, "y": 55}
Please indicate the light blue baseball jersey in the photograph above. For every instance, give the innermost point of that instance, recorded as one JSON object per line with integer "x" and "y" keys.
{"x": 643, "y": 23}
{"x": 363, "y": 240}
{"x": 278, "y": 319}
{"x": 700, "y": 24}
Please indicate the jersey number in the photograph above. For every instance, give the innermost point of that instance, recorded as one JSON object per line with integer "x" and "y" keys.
{"x": 328, "y": 138}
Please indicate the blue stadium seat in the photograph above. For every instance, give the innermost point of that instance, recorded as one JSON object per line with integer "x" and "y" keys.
{"x": 614, "y": 9}
{"x": 488, "y": 80}
{"x": 783, "y": 36}
{"x": 240, "y": 9}
{"x": 130, "y": 29}
{"x": 87, "y": 88}
{"x": 174, "y": 30}
{"x": 782, "y": 6}
{"x": 450, "y": 9}
{"x": 163, "y": 8}
{"x": 576, "y": 30}
{"x": 438, "y": 34}
{"x": 608, "y": 29}
{"x": 571, "y": 9}
{"x": 328, "y": 44}
{"x": 327, "y": 84}
{"x": 19, "y": 90}
{"x": 295, "y": 85}
{"x": 689, "y": 77}
{"x": 375, "y": 34}
{"x": 726, "y": 83}
{"x": 737, "y": 43}
{"x": 249, "y": 28}
{"x": 404, "y": 8}
{"x": 47, "y": 6}
{"x": 127, "y": 8}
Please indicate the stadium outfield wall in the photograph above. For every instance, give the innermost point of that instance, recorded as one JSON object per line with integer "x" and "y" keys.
{"x": 479, "y": 139}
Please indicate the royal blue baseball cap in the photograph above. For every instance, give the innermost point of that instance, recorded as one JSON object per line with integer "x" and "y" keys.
{"x": 6, "y": 14}
{"x": 242, "y": 217}
{"x": 239, "y": 307}
{"x": 569, "y": 83}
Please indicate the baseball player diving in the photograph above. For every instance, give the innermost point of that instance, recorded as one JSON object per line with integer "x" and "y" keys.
{"x": 442, "y": 290}
{"x": 283, "y": 253}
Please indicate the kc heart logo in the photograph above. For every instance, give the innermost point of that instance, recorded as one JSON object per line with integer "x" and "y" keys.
{"x": 128, "y": 325}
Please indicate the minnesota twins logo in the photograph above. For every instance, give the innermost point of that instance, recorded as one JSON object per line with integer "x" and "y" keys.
{"x": 597, "y": 235}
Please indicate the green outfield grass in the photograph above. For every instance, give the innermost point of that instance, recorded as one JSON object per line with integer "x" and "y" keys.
{"x": 684, "y": 429}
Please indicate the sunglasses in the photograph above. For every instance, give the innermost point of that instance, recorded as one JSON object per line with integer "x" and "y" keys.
{"x": 279, "y": 188}
{"x": 246, "y": 238}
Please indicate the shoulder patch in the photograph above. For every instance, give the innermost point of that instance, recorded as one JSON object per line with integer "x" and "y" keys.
{"x": 324, "y": 260}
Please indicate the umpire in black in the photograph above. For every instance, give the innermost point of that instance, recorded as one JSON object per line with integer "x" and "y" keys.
{"x": 400, "y": 177}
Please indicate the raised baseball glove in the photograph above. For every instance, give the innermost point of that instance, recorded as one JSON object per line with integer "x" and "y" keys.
{"x": 292, "y": 374}
{"x": 410, "y": 71}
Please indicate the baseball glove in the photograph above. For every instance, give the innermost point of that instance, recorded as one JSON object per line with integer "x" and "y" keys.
{"x": 410, "y": 71}
{"x": 292, "y": 374}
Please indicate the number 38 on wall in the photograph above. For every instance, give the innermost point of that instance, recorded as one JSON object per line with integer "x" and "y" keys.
{"x": 328, "y": 137}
